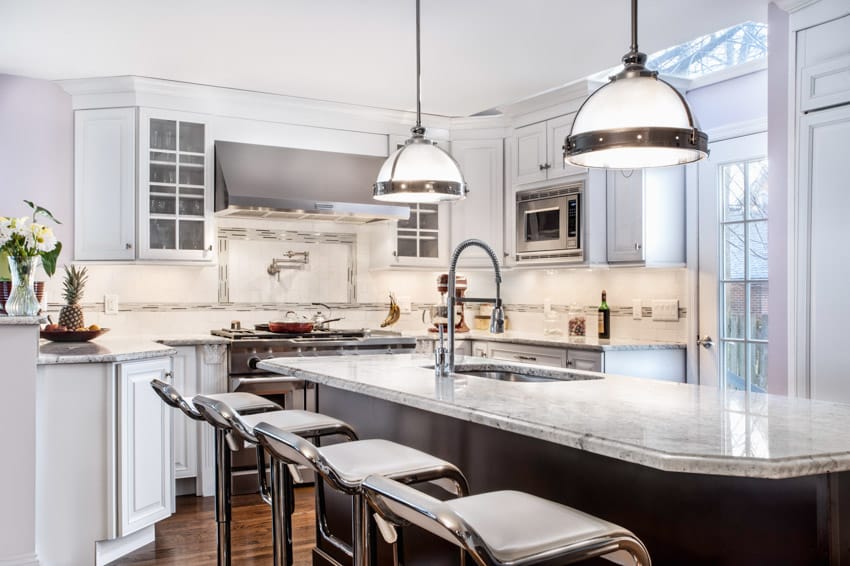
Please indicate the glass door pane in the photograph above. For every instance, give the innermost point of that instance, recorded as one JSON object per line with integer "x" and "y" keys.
{"x": 744, "y": 282}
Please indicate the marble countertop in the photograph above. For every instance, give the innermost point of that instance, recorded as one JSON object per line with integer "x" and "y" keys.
{"x": 189, "y": 339}
{"x": 673, "y": 427}
{"x": 101, "y": 350}
{"x": 539, "y": 339}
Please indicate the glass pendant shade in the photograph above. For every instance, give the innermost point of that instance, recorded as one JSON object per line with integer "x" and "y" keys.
{"x": 419, "y": 171}
{"x": 636, "y": 120}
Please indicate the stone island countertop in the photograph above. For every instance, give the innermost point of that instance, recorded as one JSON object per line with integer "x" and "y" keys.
{"x": 668, "y": 426}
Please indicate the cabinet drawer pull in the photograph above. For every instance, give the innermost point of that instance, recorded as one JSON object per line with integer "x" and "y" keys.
{"x": 527, "y": 358}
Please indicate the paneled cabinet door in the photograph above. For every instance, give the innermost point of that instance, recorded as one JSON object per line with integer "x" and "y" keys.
{"x": 529, "y": 158}
{"x": 105, "y": 184}
{"x": 185, "y": 429}
{"x": 145, "y": 475}
{"x": 625, "y": 216}
{"x": 175, "y": 186}
{"x": 584, "y": 360}
{"x": 480, "y": 214}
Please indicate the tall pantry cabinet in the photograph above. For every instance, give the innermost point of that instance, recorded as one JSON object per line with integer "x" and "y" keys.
{"x": 821, "y": 264}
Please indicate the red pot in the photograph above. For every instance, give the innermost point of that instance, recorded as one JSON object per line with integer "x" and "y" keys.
{"x": 291, "y": 327}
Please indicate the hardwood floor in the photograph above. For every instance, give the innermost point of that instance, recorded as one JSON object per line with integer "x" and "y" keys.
{"x": 188, "y": 537}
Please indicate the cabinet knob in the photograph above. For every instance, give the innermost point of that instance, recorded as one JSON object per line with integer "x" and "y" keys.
{"x": 168, "y": 375}
{"x": 569, "y": 363}
{"x": 542, "y": 166}
{"x": 128, "y": 246}
{"x": 209, "y": 248}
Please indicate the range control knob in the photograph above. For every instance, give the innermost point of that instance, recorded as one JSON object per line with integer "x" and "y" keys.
{"x": 253, "y": 361}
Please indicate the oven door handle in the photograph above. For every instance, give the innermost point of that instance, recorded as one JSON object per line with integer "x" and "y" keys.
{"x": 240, "y": 381}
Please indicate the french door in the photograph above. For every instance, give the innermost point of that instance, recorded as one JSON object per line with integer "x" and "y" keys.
{"x": 732, "y": 277}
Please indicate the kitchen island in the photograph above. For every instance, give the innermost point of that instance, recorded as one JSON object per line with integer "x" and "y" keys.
{"x": 701, "y": 476}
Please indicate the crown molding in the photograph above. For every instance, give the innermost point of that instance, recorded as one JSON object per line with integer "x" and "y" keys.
{"x": 105, "y": 92}
{"x": 794, "y": 5}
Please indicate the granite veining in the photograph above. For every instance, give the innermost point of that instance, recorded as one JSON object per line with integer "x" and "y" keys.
{"x": 101, "y": 350}
{"x": 540, "y": 339}
{"x": 673, "y": 427}
{"x": 6, "y": 320}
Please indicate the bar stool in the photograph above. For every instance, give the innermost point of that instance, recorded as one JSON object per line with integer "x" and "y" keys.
{"x": 247, "y": 403}
{"x": 345, "y": 466}
{"x": 532, "y": 531}
{"x": 240, "y": 429}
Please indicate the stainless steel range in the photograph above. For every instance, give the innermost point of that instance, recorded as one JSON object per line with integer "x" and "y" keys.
{"x": 250, "y": 346}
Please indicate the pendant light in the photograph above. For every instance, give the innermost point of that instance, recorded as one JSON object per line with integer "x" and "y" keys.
{"x": 419, "y": 171}
{"x": 636, "y": 120}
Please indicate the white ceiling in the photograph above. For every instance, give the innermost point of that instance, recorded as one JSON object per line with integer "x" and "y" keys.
{"x": 476, "y": 54}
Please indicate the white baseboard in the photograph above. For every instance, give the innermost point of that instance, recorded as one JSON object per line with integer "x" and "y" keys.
{"x": 19, "y": 560}
{"x": 108, "y": 550}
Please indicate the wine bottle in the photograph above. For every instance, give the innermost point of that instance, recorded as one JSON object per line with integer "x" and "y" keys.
{"x": 604, "y": 317}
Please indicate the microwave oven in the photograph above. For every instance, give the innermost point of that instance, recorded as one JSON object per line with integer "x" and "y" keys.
{"x": 549, "y": 223}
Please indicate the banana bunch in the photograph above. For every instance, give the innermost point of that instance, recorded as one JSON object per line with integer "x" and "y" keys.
{"x": 394, "y": 313}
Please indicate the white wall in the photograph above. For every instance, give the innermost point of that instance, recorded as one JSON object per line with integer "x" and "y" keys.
{"x": 741, "y": 100}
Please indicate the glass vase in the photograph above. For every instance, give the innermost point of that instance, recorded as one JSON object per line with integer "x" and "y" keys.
{"x": 22, "y": 300}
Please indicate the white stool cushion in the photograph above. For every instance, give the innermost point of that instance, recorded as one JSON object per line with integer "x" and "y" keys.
{"x": 243, "y": 402}
{"x": 290, "y": 420}
{"x": 515, "y": 525}
{"x": 353, "y": 461}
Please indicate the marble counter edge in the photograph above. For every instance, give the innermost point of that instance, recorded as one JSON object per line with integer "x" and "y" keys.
{"x": 142, "y": 352}
{"x": 784, "y": 468}
{"x": 191, "y": 340}
{"x": 6, "y": 320}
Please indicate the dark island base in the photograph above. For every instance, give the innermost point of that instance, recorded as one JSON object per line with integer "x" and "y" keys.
{"x": 682, "y": 518}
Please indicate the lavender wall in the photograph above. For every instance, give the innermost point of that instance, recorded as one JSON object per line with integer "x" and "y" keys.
{"x": 727, "y": 103}
{"x": 37, "y": 152}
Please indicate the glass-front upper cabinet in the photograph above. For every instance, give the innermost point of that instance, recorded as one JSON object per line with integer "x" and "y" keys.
{"x": 175, "y": 187}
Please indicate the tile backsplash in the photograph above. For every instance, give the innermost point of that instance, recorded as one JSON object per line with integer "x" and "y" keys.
{"x": 184, "y": 298}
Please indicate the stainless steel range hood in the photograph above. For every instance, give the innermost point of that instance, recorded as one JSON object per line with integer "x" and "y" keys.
{"x": 260, "y": 181}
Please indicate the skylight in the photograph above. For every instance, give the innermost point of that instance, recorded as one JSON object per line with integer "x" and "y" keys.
{"x": 713, "y": 52}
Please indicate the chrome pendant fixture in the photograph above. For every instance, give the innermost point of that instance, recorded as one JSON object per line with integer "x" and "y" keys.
{"x": 419, "y": 171}
{"x": 636, "y": 120}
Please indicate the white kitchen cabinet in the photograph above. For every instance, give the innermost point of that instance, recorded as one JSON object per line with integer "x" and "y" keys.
{"x": 586, "y": 360}
{"x": 144, "y": 446}
{"x": 541, "y": 355}
{"x": 103, "y": 443}
{"x": 185, "y": 430}
{"x": 480, "y": 214}
{"x": 175, "y": 217}
{"x": 823, "y": 64}
{"x": 170, "y": 217}
{"x": 646, "y": 216}
{"x": 105, "y": 184}
{"x": 537, "y": 151}
{"x": 823, "y": 257}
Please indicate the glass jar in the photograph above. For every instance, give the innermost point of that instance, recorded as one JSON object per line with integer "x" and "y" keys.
{"x": 577, "y": 322}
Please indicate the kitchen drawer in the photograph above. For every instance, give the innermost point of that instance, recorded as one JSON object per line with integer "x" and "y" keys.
{"x": 553, "y": 357}
{"x": 584, "y": 360}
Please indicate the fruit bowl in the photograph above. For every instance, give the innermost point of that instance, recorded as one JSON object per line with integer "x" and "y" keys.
{"x": 72, "y": 335}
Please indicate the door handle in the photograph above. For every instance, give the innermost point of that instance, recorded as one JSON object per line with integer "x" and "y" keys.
{"x": 706, "y": 342}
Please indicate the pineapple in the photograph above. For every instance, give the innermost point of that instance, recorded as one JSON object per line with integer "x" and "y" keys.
{"x": 71, "y": 315}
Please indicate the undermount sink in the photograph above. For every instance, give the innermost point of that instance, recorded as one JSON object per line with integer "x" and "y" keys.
{"x": 505, "y": 375}
{"x": 520, "y": 374}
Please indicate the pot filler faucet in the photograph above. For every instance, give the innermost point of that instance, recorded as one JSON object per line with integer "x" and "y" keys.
{"x": 444, "y": 363}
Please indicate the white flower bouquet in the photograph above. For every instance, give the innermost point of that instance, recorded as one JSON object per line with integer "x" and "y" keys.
{"x": 24, "y": 237}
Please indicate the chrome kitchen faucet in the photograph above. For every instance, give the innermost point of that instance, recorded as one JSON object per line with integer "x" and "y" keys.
{"x": 444, "y": 363}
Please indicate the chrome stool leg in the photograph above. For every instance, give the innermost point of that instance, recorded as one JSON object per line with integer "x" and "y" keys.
{"x": 222, "y": 496}
{"x": 282, "y": 498}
